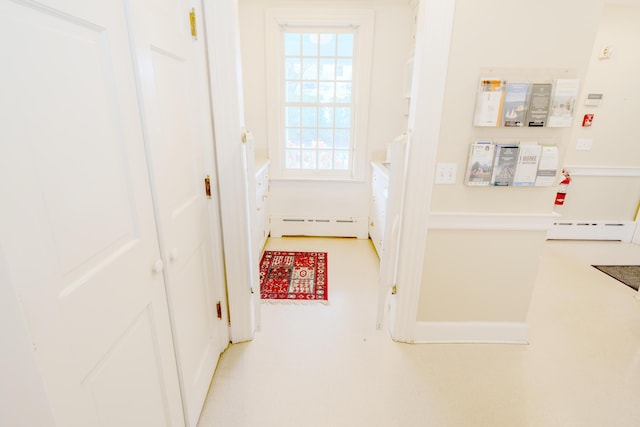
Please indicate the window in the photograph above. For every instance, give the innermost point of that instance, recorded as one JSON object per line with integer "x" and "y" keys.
{"x": 317, "y": 97}
{"x": 318, "y": 101}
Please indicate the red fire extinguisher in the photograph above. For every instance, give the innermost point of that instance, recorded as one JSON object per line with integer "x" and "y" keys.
{"x": 563, "y": 186}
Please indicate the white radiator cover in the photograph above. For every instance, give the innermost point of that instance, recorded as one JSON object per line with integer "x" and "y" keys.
{"x": 592, "y": 230}
{"x": 319, "y": 226}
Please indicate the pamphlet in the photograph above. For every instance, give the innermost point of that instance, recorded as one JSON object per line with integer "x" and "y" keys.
{"x": 480, "y": 162}
{"x": 527, "y": 168}
{"x": 515, "y": 104}
{"x": 488, "y": 103}
{"x": 504, "y": 164}
{"x": 565, "y": 93}
{"x": 539, "y": 104}
{"x": 548, "y": 166}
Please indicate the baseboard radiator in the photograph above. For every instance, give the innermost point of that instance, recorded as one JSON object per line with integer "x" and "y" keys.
{"x": 319, "y": 226}
{"x": 592, "y": 230}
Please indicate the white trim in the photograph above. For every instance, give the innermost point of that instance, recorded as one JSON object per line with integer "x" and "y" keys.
{"x": 433, "y": 40}
{"x": 592, "y": 230}
{"x": 492, "y": 221}
{"x": 472, "y": 332}
{"x": 363, "y": 21}
{"x": 603, "y": 171}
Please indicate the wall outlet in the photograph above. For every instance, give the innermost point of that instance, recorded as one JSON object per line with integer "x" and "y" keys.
{"x": 446, "y": 173}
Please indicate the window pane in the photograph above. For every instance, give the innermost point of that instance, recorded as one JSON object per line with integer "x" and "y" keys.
{"x": 309, "y": 138}
{"x": 292, "y": 44}
{"x": 343, "y": 92}
{"x": 293, "y": 138}
{"x": 325, "y": 117}
{"x": 292, "y": 69}
{"x": 327, "y": 69}
{"x": 309, "y": 116}
{"x": 345, "y": 44}
{"x": 293, "y": 92}
{"x": 325, "y": 159}
{"x": 327, "y": 45}
{"x": 309, "y": 44}
{"x": 292, "y": 116}
{"x": 327, "y": 92}
{"x": 343, "y": 117}
{"x": 318, "y": 71}
{"x": 309, "y": 92}
{"x": 325, "y": 138}
{"x": 292, "y": 159}
{"x": 344, "y": 69}
{"x": 309, "y": 69}
{"x": 308, "y": 159}
{"x": 341, "y": 139}
{"x": 341, "y": 159}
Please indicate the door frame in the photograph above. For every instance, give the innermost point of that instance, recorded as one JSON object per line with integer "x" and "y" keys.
{"x": 433, "y": 41}
{"x": 434, "y": 29}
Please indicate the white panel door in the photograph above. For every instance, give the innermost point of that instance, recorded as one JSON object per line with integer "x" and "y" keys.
{"x": 76, "y": 221}
{"x": 172, "y": 75}
{"x": 391, "y": 228}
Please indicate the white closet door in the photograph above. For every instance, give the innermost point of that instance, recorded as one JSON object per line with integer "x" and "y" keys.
{"x": 172, "y": 74}
{"x": 77, "y": 222}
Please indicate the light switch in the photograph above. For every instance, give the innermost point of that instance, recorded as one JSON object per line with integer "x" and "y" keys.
{"x": 446, "y": 173}
{"x": 584, "y": 144}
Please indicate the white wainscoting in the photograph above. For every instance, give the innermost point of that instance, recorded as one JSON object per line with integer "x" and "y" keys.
{"x": 479, "y": 331}
{"x": 491, "y": 221}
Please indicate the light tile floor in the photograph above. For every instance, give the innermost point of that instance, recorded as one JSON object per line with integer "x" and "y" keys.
{"x": 328, "y": 366}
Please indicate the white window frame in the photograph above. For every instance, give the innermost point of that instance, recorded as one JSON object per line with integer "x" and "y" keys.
{"x": 276, "y": 21}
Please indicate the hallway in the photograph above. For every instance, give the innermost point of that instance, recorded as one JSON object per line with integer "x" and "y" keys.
{"x": 317, "y": 365}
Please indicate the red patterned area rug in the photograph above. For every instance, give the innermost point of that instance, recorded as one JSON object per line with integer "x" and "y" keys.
{"x": 293, "y": 276}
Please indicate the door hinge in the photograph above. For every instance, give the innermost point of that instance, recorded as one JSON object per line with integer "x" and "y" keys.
{"x": 192, "y": 21}
{"x": 219, "y": 309}
{"x": 207, "y": 186}
{"x": 394, "y": 289}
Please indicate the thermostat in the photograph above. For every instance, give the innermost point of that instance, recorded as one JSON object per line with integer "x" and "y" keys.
{"x": 593, "y": 99}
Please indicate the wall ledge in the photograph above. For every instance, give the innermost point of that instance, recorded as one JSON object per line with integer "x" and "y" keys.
{"x": 603, "y": 171}
{"x": 471, "y": 332}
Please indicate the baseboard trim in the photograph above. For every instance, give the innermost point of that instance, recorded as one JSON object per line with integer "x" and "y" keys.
{"x": 319, "y": 226}
{"x": 491, "y": 221}
{"x": 471, "y": 332}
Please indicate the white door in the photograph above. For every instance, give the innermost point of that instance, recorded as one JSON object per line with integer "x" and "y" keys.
{"x": 391, "y": 227}
{"x": 172, "y": 75}
{"x": 76, "y": 217}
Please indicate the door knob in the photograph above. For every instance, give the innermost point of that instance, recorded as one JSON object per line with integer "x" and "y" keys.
{"x": 158, "y": 266}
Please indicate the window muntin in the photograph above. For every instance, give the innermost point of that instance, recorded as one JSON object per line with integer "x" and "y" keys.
{"x": 318, "y": 100}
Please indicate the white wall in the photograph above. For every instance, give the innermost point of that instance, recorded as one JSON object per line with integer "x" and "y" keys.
{"x": 615, "y": 132}
{"x": 391, "y": 48}
{"x": 474, "y": 270}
